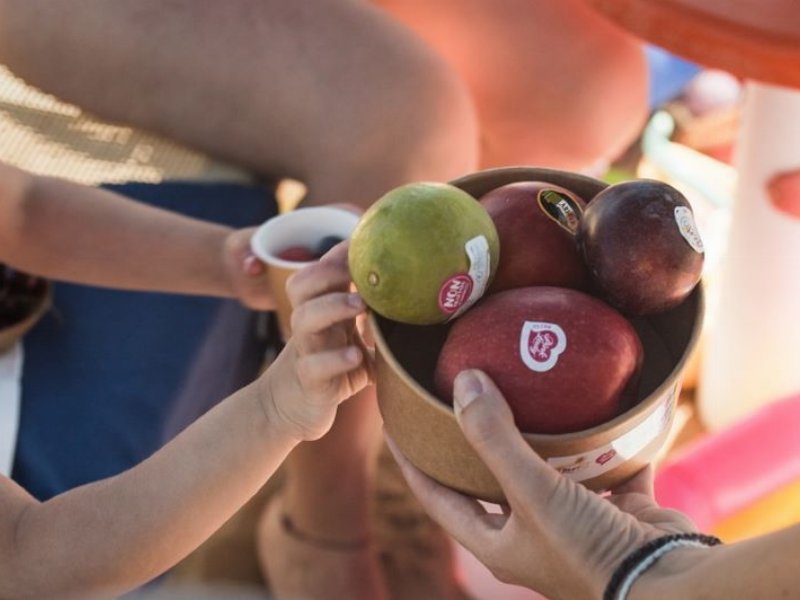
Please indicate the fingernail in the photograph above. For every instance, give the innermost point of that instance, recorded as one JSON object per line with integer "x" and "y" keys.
{"x": 352, "y": 355}
{"x": 466, "y": 387}
{"x": 355, "y": 301}
{"x": 253, "y": 266}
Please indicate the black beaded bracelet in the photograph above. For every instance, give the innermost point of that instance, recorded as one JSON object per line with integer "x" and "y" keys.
{"x": 638, "y": 561}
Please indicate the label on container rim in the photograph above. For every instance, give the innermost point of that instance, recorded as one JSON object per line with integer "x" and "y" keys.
{"x": 591, "y": 464}
{"x": 462, "y": 290}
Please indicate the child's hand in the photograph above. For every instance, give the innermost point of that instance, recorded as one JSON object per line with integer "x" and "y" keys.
{"x": 325, "y": 361}
{"x": 246, "y": 273}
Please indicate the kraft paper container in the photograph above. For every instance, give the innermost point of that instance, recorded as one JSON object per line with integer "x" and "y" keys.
{"x": 425, "y": 428}
{"x": 10, "y": 335}
{"x": 301, "y": 227}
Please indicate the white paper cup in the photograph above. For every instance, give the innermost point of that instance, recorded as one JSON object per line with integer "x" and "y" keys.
{"x": 301, "y": 227}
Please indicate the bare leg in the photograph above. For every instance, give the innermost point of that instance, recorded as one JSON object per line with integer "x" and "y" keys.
{"x": 334, "y": 93}
{"x": 314, "y": 487}
{"x": 329, "y": 552}
{"x": 554, "y": 83}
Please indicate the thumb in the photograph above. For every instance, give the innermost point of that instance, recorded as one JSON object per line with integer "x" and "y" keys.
{"x": 252, "y": 266}
{"x": 488, "y": 425}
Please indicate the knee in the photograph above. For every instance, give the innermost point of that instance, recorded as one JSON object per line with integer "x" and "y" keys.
{"x": 554, "y": 84}
{"x": 589, "y": 116}
{"x": 435, "y": 125}
{"x": 412, "y": 119}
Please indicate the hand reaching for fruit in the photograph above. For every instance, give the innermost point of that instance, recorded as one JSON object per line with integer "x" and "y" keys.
{"x": 325, "y": 361}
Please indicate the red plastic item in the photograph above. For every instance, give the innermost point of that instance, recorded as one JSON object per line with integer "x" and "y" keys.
{"x": 728, "y": 471}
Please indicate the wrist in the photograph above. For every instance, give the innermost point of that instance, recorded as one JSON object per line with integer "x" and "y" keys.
{"x": 659, "y": 567}
{"x": 668, "y": 577}
{"x": 270, "y": 411}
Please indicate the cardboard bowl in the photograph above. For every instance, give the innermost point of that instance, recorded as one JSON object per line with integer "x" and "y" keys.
{"x": 602, "y": 457}
{"x": 11, "y": 334}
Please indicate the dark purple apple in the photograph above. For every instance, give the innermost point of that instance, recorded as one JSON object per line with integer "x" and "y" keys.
{"x": 537, "y": 223}
{"x": 564, "y": 360}
{"x": 641, "y": 245}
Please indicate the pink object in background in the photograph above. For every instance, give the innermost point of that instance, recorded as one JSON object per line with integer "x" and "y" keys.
{"x": 729, "y": 470}
{"x": 784, "y": 192}
{"x": 478, "y": 580}
{"x": 480, "y": 584}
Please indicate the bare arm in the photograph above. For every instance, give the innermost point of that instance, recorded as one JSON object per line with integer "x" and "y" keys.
{"x": 111, "y": 536}
{"x": 66, "y": 231}
{"x": 332, "y": 92}
{"x": 560, "y": 539}
{"x": 762, "y": 567}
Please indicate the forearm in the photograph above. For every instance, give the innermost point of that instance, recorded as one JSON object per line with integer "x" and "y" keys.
{"x": 64, "y": 231}
{"x": 332, "y": 92}
{"x": 762, "y": 567}
{"x": 114, "y": 535}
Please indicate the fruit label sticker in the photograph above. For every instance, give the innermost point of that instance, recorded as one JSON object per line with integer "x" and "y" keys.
{"x": 462, "y": 290}
{"x": 588, "y": 465}
{"x": 685, "y": 221}
{"x": 540, "y": 345}
{"x": 454, "y": 293}
{"x": 562, "y": 209}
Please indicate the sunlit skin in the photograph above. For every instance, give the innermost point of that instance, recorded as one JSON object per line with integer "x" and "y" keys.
{"x": 554, "y": 84}
{"x": 784, "y": 192}
{"x": 111, "y": 536}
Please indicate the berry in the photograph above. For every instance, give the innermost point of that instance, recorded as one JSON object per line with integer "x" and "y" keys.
{"x": 297, "y": 254}
{"x": 326, "y": 243}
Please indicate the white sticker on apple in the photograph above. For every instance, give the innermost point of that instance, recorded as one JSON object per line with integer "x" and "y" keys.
{"x": 540, "y": 345}
{"x": 688, "y": 229}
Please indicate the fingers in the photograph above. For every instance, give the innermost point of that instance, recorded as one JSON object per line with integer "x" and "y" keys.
{"x": 338, "y": 254}
{"x": 318, "y": 370}
{"x": 488, "y": 425}
{"x": 328, "y": 274}
{"x": 320, "y": 313}
{"x": 464, "y": 518}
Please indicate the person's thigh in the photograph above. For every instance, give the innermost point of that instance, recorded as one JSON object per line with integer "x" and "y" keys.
{"x": 553, "y": 83}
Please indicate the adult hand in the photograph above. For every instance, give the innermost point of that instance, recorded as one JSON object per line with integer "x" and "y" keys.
{"x": 555, "y": 536}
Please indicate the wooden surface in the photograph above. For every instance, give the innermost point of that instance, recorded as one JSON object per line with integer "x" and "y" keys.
{"x": 754, "y": 39}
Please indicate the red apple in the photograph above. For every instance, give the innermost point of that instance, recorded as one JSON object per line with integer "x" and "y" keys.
{"x": 536, "y": 223}
{"x": 641, "y": 245}
{"x": 564, "y": 360}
